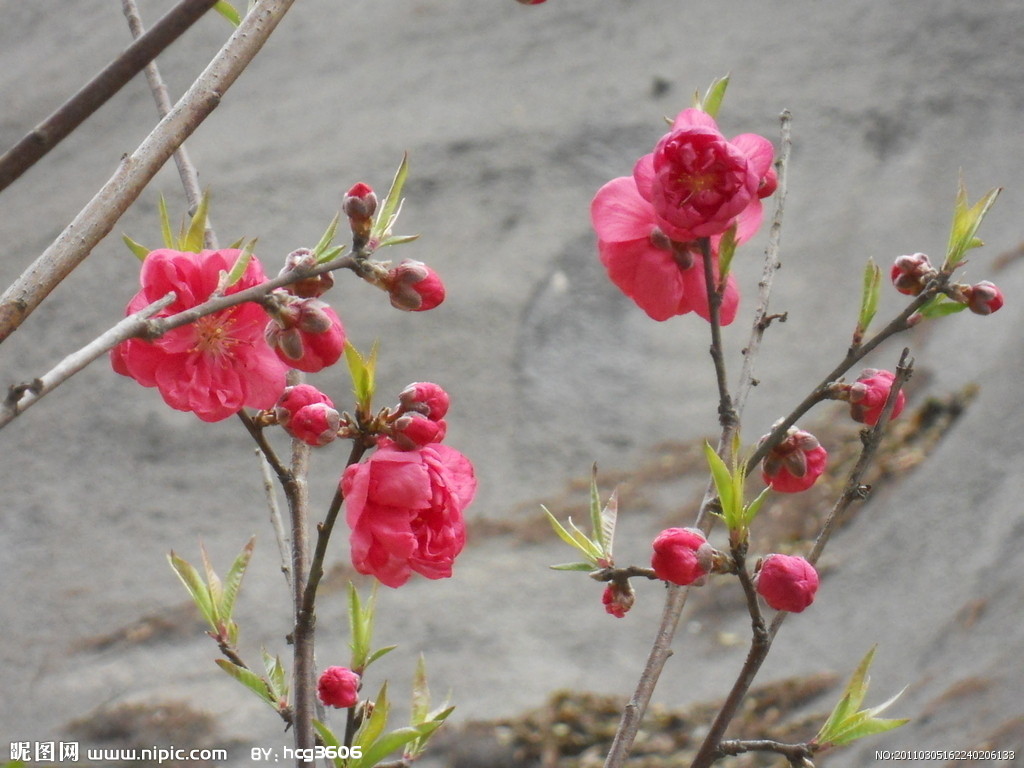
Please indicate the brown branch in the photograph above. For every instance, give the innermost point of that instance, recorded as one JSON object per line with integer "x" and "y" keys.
{"x": 72, "y": 113}
{"x": 98, "y": 217}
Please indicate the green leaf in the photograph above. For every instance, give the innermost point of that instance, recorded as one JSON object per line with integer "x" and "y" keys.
{"x": 327, "y": 238}
{"x": 358, "y": 642}
{"x": 866, "y": 728}
{"x": 869, "y": 296}
{"x": 277, "y": 680}
{"x": 724, "y": 485}
{"x": 170, "y": 241}
{"x": 420, "y": 693}
{"x": 213, "y": 586}
{"x": 726, "y": 250}
{"x": 396, "y": 239}
{"x": 228, "y": 11}
{"x": 233, "y": 580}
{"x": 712, "y": 100}
{"x": 195, "y": 236}
{"x": 750, "y": 511}
{"x": 140, "y": 251}
{"x": 848, "y": 722}
{"x": 378, "y": 653}
{"x": 331, "y": 254}
{"x": 574, "y": 567}
{"x": 595, "y": 510}
{"x": 362, "y": 371}
{"x": 387, "y": 212}
{"x": 330, "y": 740}
{"x": 395, "y": 740}
{"x": 374, "y": 725}
{"x": 966, "y": 220}
{"x": 196, "y": 587}
{"x": 241, "y": 264}
{"x": 940, "y": 306}
{"x": 250, "y": 680}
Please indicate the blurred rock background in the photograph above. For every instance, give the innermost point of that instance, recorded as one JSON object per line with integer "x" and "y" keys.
{"x": 512, "y": 118}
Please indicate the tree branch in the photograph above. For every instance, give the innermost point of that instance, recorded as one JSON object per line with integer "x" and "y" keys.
{"x": 98, "y": 217}
{"x": 72, "y": 113}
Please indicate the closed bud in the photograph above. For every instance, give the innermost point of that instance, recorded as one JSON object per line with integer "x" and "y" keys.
{"x": 307, "y": 287}
{"x": 787, "y": 582}
{"x": 414, "y": 430}
{"x": 315, "y": 424}
{"x": 424, "y": 397}
{"x": 295, "y": 398}
{"x": 338, "y": 687}
{"x": 795, "y": 463}
{"x": 414, "y": 287}
{"x": 618, "y": 598}
{"x": 868, "y": 394}
{"x": 359, "y": 204}
{"x": 681, "y": 556}
{"x": 984, "y": 298}
{"x": 306, "y": 334}
{"x": 911, "y": 273}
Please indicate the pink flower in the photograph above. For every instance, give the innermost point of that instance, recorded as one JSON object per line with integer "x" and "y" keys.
{"x": 405, "y": 511}
{"x": 306, "y": 334}
{"x": 787, "y": 583}
{"x": 664, "y": 280}
{"x": 296, "y": 397}
{"x": 868, "y": 395}
{"x": 617, "y": 600}
{"x": 794, "y": 464}
{"x": 984, "y": 298}
{"x": 425, "y": 397}
{"x": 338, "y": 687}
{"x": 681, "y": 556}
{"x": 911, "y": 273}
{"x": 315, "y": 424}
{"x": 217, "y": 365}
{"x": 699, "y": 182}
{"x": 414, "y": 287}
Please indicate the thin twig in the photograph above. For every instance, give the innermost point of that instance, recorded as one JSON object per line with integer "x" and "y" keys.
{"x": 276, "y": 519}
{"x": 136, "y": 170}
{"x": 186, "y": 169}
{"x": 794, "y": 753}
{"x": 726, "y": 413}
{"x": 72, "y": 113}
{"x": 23, "y": 397}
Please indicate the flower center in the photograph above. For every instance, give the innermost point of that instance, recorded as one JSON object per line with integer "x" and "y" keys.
{"x": 213, "y": 334}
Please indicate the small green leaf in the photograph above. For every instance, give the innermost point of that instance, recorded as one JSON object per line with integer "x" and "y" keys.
{"x": 574, "y": 567}
{"x": 327, "y": 238}
{"x": 330, "y": 740}
{"x": 389, "y": 208}
{"x": 378, "y": 653}
{"x": 397, "y": 240}
{"x": 277, "y": 679}
{"x": 966, "y": 220}
{"x": 213, "y": 586}
{"x": 565, "y": 536}
{"x": 140, "y": 251}
{"x": 723, "y": 484}
{"x": 196, "y": 587}
{"x": 869, "y": 296}
{"x": 726, "y": 250}
{"x": 170, "y": 241}
{"x": 712, "y": 100}
{"x": 241, "y": 264}
{"x": 362, "y": 371}
{"x": 233, "y": 580}
{"x": 395, "y": 740}
{"x": 866, "y": 728}
{"x": 750, "y": 510}
{"x": 847, "y": 721}
{"x": 250, "y": 680}
{"x": 595, "y": 510}
{"x": 195, "y": 236}
{"x": 374, "y": 725}
{"x": 420, "y": 693}
{"x": 331, "y": 254}
{"x": 228, "y": 11}
{"x": 940, "y": 306}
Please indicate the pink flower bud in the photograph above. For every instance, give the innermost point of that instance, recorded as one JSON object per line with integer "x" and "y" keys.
{"x": 414, "y": 287}
{"x": 414, "y": 430}
{"x": 794, "y": 464}
{"x": 911, "y": 273}
{"x": 786, "y": 582}
{"x": 338, "y": 687}
{"x": 984, "y": 298}
{"x": 307, "y": 287}
{"x": 306, "y": 334}
{"x": 868, "y": 394}
{"x": 295, "y": 398}
{"x": 359, "y": 204}
{"x": 424, "y": 397}
{"x": 315, "y": 424}
{"x": 617, "y": 599}
{"x": 681, "y": 556}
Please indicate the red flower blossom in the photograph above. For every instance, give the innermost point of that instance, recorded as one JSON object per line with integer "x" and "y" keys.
{"x": 681, "y": 556}
{"x": 699, "y": 182}
{"x": 315, "y": 424}
{"x": 217, "y": 365}
{"x": 425, "y": 397}
{"x": 984, "y": 298}
{"x": 617, "y": 600}
{"x": 643, "y": 262}
{"x": 787, "y": 583}
{"x": 306, "y": 334}
{"x": 868, "y": 394}
{"x": 405, "y": 511}
{"x": 794, "y": 464}
{"x": 338, "y": 687}
{"x": 414, "y": 287}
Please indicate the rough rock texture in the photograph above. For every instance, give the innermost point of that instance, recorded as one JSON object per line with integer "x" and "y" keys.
{"x": 513, "y": 116}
